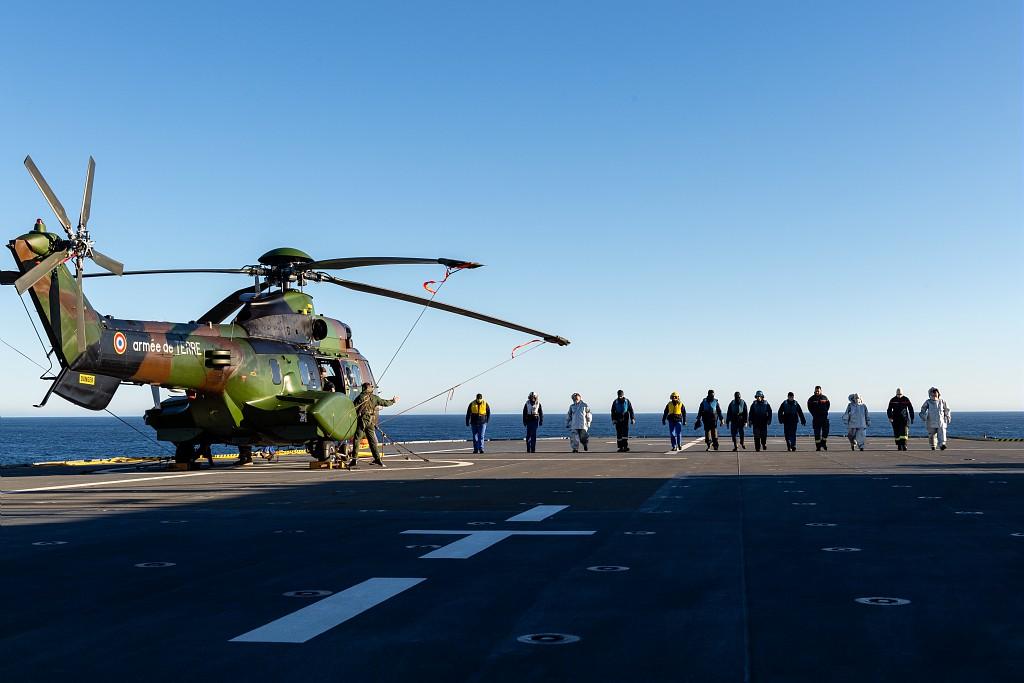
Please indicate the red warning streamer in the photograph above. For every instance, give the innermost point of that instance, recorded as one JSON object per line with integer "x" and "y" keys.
{"x": 448, "y": 272}
{"x": 532, "y": 341}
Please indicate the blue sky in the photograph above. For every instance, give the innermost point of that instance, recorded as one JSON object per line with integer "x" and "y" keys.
{"x": 699, "y": 195}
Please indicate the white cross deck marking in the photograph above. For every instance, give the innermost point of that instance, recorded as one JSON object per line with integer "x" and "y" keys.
{"x": 475, "y": 541}
{"x": 537, "y": 514}
{"x": 323, "y": 615}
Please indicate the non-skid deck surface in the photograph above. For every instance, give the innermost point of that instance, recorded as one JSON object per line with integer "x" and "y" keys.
{"x": 649, "y": 566}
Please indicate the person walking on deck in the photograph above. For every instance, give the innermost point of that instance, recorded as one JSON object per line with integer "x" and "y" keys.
{"x": 901, "y": 415}
{"x": 817, "y": 406}
{"x": 789, "y": 414}
{"x": 622, "y": 416}
{"x": 857, "y": 421}
{"x": 478, "y": 414}
{"x": 675, "y": 416}
{"x": 577, "y": 421}
{"x": 533, "y": 419}
{"x": 760, "y": 418}
{"x": 736, "y": 418}
{"x": 709, "y": 413}
{"x": 936, "y": 417}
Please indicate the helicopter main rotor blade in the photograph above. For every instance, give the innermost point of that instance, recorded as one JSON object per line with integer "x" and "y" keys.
{"x": 51, "y": 198}
{"x": 104, "y": 261}
{"x": 401, "y": 296}
{"x": 40, "y": 271}
{"x": 80, "y": 307}
{"x": 90, "y": 171}
{"x": 227, "y": 305}
{"x": 232, "y": 271}
{"x": 8, "y": 277}
{"x": 360, "y": 261}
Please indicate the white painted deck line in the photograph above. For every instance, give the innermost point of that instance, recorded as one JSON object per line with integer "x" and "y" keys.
{"x": 689, "y": 445}
{"x": 468, "y": 546}
{"x": 107, "y": 483}
{"x": 537, "y": 514}
{"x": 323, "y": 615}
{"x": 475, "y": 541}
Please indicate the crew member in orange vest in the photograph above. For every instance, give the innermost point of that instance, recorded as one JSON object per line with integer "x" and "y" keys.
{"x": 477, "y": 415}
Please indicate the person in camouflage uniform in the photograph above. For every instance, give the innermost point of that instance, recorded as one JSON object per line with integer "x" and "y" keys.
{"x": 367, "y": 404}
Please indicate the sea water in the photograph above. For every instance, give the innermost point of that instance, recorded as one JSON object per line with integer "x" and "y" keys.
{"x": 35, "y": 439}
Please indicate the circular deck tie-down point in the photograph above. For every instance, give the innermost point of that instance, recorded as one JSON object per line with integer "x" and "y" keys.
{"x": 548, "y": 639}
{"x": 883, "y": 602}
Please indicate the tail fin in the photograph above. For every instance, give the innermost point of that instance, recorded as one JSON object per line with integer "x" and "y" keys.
{"x": 55, "y": 296}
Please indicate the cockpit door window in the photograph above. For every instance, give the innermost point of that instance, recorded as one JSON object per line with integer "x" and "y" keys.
{"x": 353, "y": 378}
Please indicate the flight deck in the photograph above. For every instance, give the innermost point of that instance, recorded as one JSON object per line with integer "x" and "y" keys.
{"x": 505, "y": 566}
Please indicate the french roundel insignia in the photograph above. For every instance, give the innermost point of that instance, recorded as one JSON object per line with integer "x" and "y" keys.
{"x": 120, "y": 343}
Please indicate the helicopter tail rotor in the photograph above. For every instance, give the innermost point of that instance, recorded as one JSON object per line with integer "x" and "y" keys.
{"x": 78, "y": 246}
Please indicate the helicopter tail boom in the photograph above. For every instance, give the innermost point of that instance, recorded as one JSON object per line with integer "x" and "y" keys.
{"x": 56, "y": 296}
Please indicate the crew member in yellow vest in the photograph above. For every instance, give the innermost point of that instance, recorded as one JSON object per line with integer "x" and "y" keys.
{"x": 675, "y": 417}
{"x": 477, "y": 415}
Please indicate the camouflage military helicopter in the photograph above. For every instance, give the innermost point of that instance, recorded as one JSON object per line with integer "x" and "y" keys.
{"x": 254, "y": 381}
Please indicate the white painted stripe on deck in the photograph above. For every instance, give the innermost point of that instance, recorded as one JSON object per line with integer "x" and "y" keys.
{"x": 689, "y": 445}
{"x": 105, "y": 483}
{"x": 262, "y": 469}
{"x": 323, "y": 615}
{"x": 537, "y": 514}
{"x": 467, "y": 547}
{"x": 475, "y": 541}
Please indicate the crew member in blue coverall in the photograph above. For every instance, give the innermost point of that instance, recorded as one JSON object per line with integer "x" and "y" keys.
{"x": 736, "y": 418}
{"x": 789, "y": 414}
{"x": 710, "y": 414}
{"x": 622, "y": 416}
{"x": 533, "y": 419}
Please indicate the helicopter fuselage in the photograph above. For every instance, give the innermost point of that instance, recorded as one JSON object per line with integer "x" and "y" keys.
{"x": 255, "y": 381}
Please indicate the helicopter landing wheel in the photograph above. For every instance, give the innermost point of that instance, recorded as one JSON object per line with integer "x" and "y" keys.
{"x": 322, "y": 450}
{"x": 340, "y": 453}
{"x": 185, "y": 452}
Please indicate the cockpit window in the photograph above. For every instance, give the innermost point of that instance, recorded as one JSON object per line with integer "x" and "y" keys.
{"x": 275, "y": 371}
{"x": 308, "y": 372}
{"x": 353, "y": 378}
